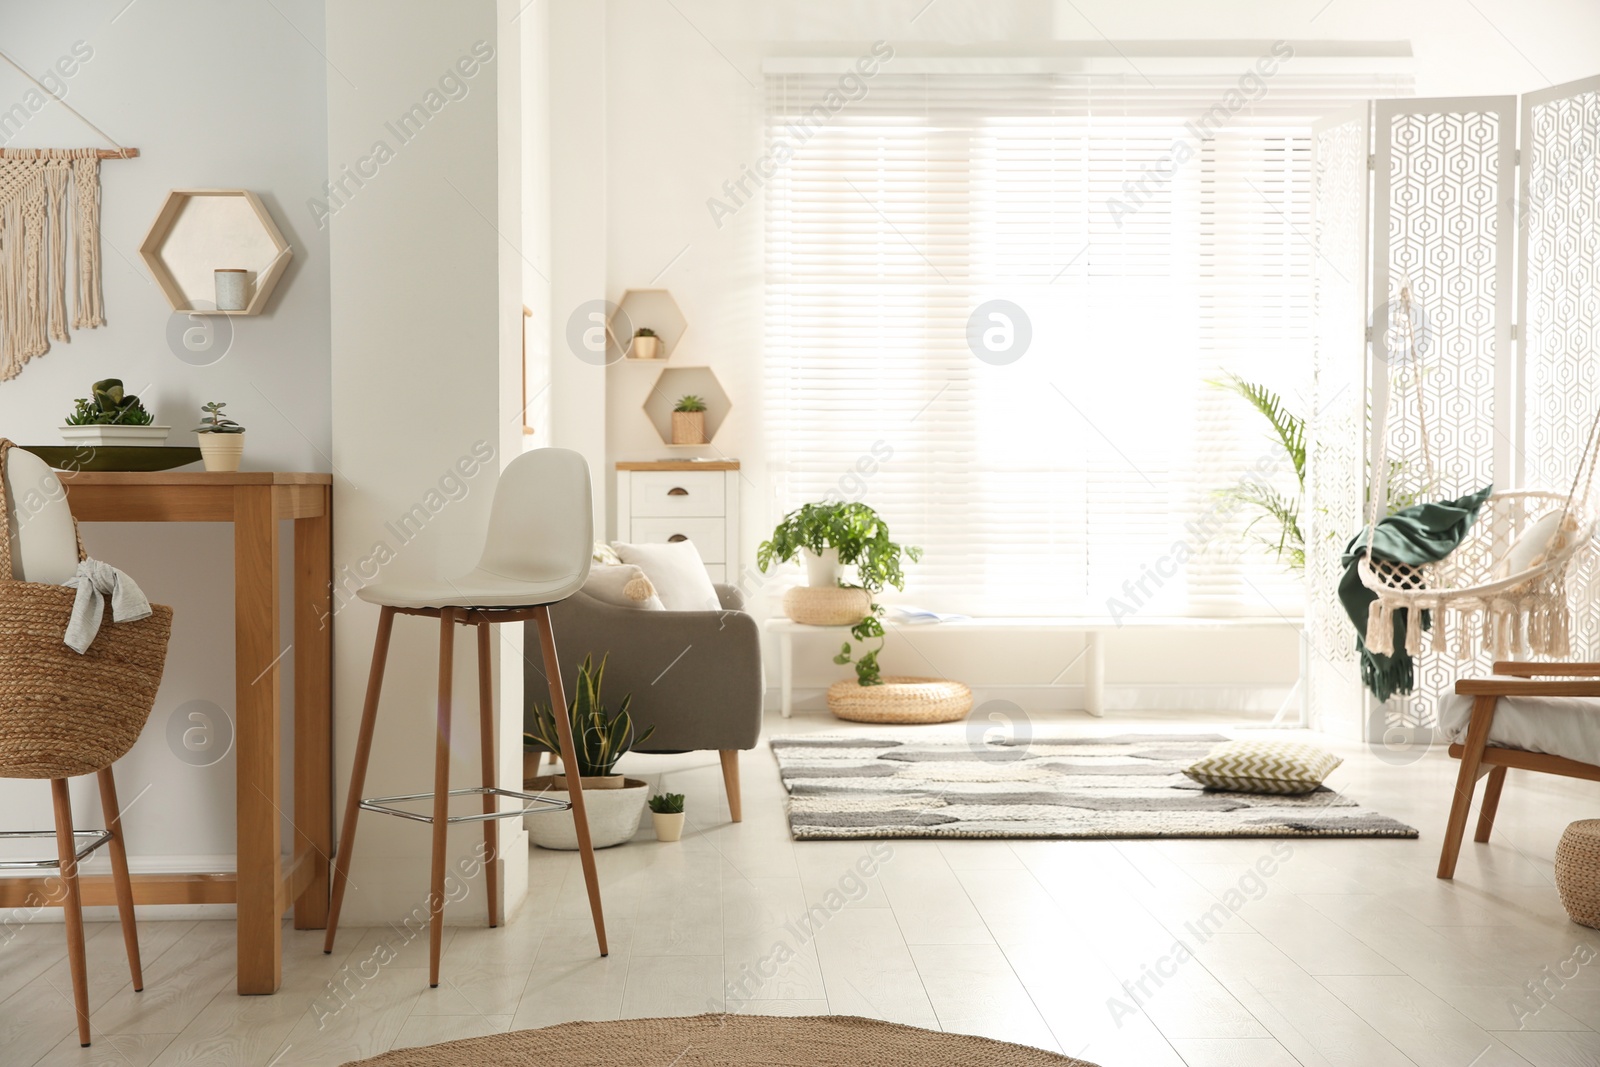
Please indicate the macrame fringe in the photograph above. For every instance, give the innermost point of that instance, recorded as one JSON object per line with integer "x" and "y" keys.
{"x": 33, "y": 250}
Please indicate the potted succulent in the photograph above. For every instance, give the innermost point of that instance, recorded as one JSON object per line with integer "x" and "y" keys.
{"x": 221, "y": 439}
{"x": 112, "y": 416}
{"x": 830, "y": 536}
{"x": 614, "y": 804}
{"x": 689, "y": 421}
{"x": 646, "y": 345}
{"x": 666, "y": 811}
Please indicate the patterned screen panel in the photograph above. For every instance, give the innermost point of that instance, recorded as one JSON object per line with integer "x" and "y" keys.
{"x": 1336, "y": 435}
{"x": 1560, "y": 307}
{"x": 1442, "y": 224}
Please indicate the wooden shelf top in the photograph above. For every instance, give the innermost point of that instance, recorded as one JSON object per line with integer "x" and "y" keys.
{"x": 204, "y": 478}
{"x": 680, "y": 465}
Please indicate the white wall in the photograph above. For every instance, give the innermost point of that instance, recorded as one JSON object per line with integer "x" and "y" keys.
{"x": 213, "y": 96}
{"x": 421, "y": 327}
{"x": 682, "y": 114}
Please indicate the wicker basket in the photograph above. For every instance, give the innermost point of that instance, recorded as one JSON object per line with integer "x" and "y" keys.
{"x": 821, "y": 605}
{"x": 1578, "y": 872}
{"x": 62, "y": 714}
{"x": 900, "y": 700}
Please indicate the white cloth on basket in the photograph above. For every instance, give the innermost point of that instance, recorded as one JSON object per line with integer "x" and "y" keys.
{"x": 94, "y": 581}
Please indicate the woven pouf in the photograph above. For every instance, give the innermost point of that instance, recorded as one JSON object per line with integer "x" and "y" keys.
{"x": 1578, "y": 872}
{"x": 821, "y": 605}
{"x": 900, "y": 700}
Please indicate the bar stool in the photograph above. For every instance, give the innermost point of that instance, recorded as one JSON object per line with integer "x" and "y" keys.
{"x": 537, "y": 553}
{"x": 63, "y": 714}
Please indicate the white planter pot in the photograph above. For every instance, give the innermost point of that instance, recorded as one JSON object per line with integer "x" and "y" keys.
{"x": 669, "y": 827}
{"x": 221, "y": 451}
{"x": 118, "y": 436}
{"x": 614, "y": 815}
{"x": 822, "y": 570}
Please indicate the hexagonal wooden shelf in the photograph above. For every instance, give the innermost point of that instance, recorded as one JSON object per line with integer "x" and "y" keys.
{"x": 199, "y": 231}
{"x": 654, "y": 308}
{"x": 675, "y": 382}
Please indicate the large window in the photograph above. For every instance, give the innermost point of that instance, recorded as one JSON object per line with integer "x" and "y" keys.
{"x": 1141, "y": 237}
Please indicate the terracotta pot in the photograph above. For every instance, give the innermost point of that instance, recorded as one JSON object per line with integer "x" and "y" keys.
{"x": 614, "y": 812}
{"x": 669, "y": 826}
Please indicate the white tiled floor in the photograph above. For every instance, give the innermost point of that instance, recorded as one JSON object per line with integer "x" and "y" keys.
{"x": 1350, "y": 953}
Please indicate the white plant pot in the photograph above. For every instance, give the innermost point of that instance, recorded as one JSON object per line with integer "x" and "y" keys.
{"x": 614, "y": 815}
{"x": 669, "y": 826}
{"x": 822, "y": 570}
{"x": 117, "y": 436}
{"x": 221, "y": 451}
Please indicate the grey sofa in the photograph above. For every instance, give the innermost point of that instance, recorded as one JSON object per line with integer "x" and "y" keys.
{"x": 695, "y": 675}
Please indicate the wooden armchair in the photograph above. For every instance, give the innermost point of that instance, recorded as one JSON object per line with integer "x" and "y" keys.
{"x": 1479, "y": 758}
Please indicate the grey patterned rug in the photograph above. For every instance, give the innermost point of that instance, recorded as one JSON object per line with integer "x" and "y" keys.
{"x": 1130, "y": 785}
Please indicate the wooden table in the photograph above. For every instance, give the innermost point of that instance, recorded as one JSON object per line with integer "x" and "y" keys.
{"x": 265, "y": 884}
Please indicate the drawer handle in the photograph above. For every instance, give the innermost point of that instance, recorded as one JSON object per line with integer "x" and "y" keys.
{"x": 675, "y": 538}
{"x": 677, "y": 491}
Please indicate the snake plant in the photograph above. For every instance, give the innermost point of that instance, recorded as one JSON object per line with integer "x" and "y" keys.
{"x": 600, "y": 739}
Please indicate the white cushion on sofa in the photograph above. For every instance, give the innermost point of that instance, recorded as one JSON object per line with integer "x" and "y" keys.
{"x": 676, "y": 571}
{"x": 622, "y": 585}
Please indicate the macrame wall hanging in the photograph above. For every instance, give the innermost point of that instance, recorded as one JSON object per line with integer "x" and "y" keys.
{"x": 49, "y": 199}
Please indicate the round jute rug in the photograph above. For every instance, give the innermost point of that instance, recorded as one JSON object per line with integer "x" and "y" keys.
{"x": 726, "y": 1041}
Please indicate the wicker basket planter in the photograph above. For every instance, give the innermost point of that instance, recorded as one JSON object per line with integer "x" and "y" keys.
{"x": 688, "y": 427}
{"x": 1578, "y": 872}
{"x": 827, "y": 605}
{"x": 900, "y": 700}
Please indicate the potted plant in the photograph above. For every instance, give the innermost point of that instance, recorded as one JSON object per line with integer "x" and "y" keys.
{"x": 221, "y": 439}
{"x": 646, "y": 345}
{"x": 830, "y": 536}
{"x": 112, "y": 417}
{"x": 666, "y": 811}
{"x": 689, "y": 421}
{"x": 615, "y": 804}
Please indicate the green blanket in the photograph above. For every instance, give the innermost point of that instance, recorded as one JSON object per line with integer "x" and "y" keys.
{"x": 1422, "y": 533}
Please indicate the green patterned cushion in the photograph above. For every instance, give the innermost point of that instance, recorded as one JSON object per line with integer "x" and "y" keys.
{"x": 1264, "y": 767}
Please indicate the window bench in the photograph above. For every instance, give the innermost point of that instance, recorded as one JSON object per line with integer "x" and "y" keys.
{"x": 1093, "y": 627}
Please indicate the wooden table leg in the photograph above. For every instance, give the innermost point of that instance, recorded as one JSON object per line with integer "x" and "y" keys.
{"x": 313, "y": 708}
{"x": 256, "y": 659}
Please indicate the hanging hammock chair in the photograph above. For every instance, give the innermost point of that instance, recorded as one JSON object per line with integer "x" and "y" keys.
{"x": 1504, "y": 588}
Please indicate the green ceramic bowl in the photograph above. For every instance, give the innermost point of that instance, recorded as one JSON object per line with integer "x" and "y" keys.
{"x": 114, "y": 457}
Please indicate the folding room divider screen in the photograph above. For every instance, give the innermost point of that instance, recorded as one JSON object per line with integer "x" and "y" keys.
{"x": 1499, "y": 245}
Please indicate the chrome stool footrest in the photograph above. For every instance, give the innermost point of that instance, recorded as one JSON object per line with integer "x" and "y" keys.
{"x": 540, "y": 804}
{"x": 96, "y": 839}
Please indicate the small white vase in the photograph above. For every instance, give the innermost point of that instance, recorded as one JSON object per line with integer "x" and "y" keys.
{"x": 822, "y": 570}
{"x": 669, "y": 825}
{"x": 221, "y": 451}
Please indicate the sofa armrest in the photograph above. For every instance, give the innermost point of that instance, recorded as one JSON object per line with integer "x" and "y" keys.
{"x": 696, "y": 676}
{"x": 730, "y": 595}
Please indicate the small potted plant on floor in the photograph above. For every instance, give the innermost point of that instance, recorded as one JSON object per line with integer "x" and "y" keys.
{"x": 689, "y": 421}
{"x": 112, "y": 416}
{"x": 666, "y": 811}
{"x": 615, "y": 804}
{"x": 646, "y": 345}
{"x": 830, "y": 536}
{"x": 221, "y": 439}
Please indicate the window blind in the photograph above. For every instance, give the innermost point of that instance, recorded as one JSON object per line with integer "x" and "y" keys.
{"x": 1154, "y": 233}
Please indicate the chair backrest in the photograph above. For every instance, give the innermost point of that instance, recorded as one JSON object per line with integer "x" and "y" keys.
{"x": 44, "y": 542}
{"x": 541, "y": 527}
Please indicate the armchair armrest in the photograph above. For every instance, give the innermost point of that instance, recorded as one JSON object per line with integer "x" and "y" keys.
{"x": 696, "y": 676}
{"x": 1533, "y": 670}
{"x": 1523, "y": 687}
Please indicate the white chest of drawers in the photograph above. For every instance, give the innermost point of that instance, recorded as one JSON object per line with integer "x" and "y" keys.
{"x": 676, "y": 500}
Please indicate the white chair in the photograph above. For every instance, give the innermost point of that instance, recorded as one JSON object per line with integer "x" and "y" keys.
{"x": 537, "y": 553}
